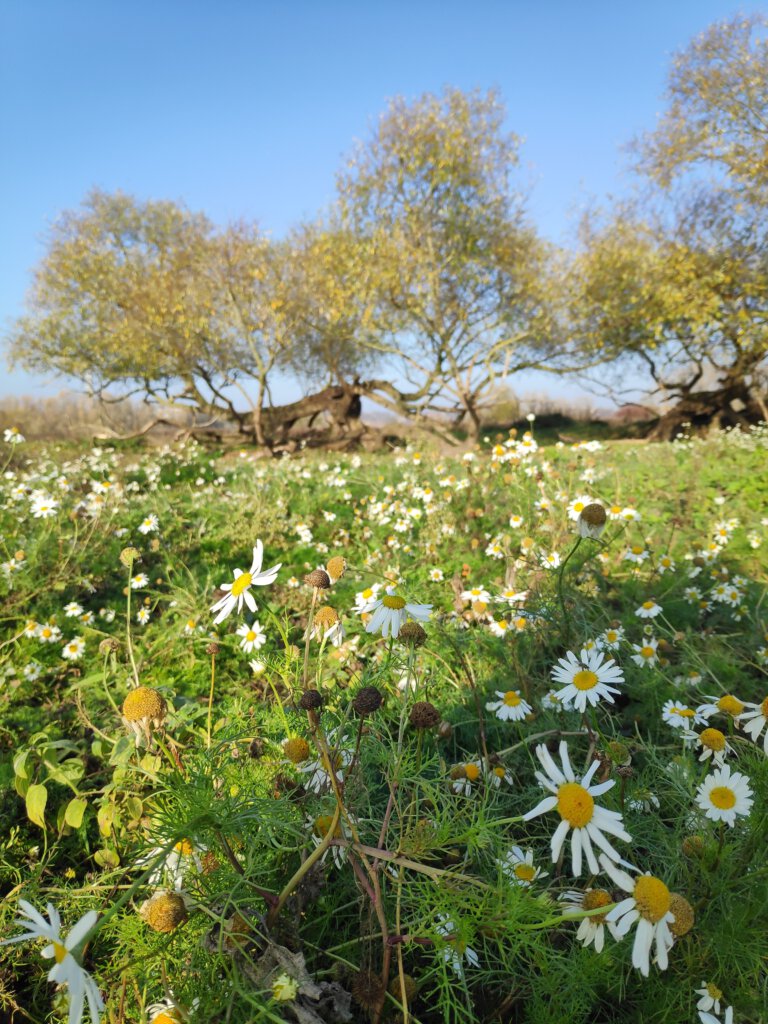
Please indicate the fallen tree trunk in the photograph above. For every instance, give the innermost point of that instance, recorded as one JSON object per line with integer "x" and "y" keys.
{"x": 701, "y": 411}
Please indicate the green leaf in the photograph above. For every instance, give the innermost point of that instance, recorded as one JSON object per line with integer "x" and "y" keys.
{"x": 73, "y": 815}
{"x": 122, "y": 751}
{"x": 37, "y": 797}
{"x": 106, "y": 858}
{"x": 105, "y": 817}
{"x": 20, "y": 764}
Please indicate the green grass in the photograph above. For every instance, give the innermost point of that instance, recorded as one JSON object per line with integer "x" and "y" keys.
{"x": 215, "y": 773}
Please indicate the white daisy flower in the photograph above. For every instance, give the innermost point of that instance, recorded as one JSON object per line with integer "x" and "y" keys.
{"x": 575, "y": 803}
{"x": 648, "y": 610}
{"x": 43, "y": 507}
{"x": 511, "y": 707}
{"x": 726, "y": 705}
{"x": 611, "y": 638}
{"x": 143, "y": 616}
{"x": 12, "y": 435}
{"x": 645, "y": 653}
{"x": 577, "y": 506}
{"x": 436, "y": 575}
{"x": 150, "y": 524}
{"x": 475, "y": 595}
{"x": 709, "y": 1018}
{"x": 66, "y": 971}
{"x": 172, "y": 865}
{"x": 649, "y": 906}
{"x": 550, "y": 561}
{"x": 637, "y": 554}
{"x": 591, "y": 929}
{"x": 756, "y": 720}
{"x": 586, "y": 678}
{"x": 239, "y": 590}
{"x": 725, "y": 794}
{"x": 73, "y": 650}
{"x": 139, "y": 580}
{"x": 253, "y": 636}
{"x": 391, "y": 612}
{"x": 365, "y": 600}
{"x": 680, "y": 716}
{"x": 456, "y": 952}
{"x": 48, "y": 633}
{"x": 518, "y": 865}
{"x": 710, "y": 997}
{"x": 713, "y": 744}
{"x": 665, "y": 564}
{"x": 73, "y": 609}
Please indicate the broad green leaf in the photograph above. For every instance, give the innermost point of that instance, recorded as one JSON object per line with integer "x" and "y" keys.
{"x": 73, "y": 815}
{"x": 37, "y": 797}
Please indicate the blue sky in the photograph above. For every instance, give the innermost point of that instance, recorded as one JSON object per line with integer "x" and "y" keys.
{"x": 246, "y": 109}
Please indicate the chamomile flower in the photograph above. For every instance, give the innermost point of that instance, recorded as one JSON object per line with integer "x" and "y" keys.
{"x": 12, "y": 435}
{"x": 648, "y": 906}
{"x": 143, "y": 616}
{"x": 638, "y": 553}
{"x": 648, "y": 610}
{"x": 475, "y": 595}
{"x": 551, "y": 702}
{"x": 611, "y": 638}
{"x": 665, "y": 564}
{"x": 709, "y": 1018}
{"x": 73, "y": 609}
{"x": 713, "y": 744}
{"x": 726, "y": 705}
{"x": 171, "y": 866}
{"x": 591, "y": 929}
{"x": 239, "y": 590}
{"x": 319, "y": 827}
{"x": 511, "y": 707}
{"x": 586, "y": 678}
{"x": 680, "y": 716}
{"x": 66, "y": 970}
{"x": 73, "y": 650}
{"x": 436, "y": 575}
{"x": 456, "y": 952}
{"x": 43, "y": 507}
{"x": 465, "y": 776}
{"x": 253, "y": 636}
{"x": 645, "y": 653}
{"x": 318, "y": 778}
{"x": 327, "y": 626}
{"x": 150, "y": 524}
{"x": 575, "y": 803}
{"x": 139, "y": 580}
{"x": 756, "y": 720}
{"x": 48, "y": 633}
{"x": 550, "y": 561}
{"x": 390, "y": 613}
{"x": 724, "y": 795}
{"x": 518, "y": 866}
{"x": 710, "y": 997}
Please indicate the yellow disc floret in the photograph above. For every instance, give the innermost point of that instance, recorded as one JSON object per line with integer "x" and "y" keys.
{"x": 730, "y": 705}
{"x": 684, "y": 915}
{"x": 652, "y": 898}
{"x": 596, "y": 898}
{"x": 575, "y": 805}
{"x": 722, "y": 797}
{"x": 296, "y": 749}
{"x": 144, "y": 704}
{"x": 241, "y": 584}
{"x": 512, "y": 698}
{"x": 585, "y": 680}
{"x": 525, "y": 872}
{"x": 471, "y": 772}
{"x": 713, "y": 739}
{"x": 393, "y": 601}
{"x": 165, "y": 912}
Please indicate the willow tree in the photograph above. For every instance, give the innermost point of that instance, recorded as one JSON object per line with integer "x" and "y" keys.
{"x": 460, "y": 274}
{"x": 681, "y": 302}
{"x": 152, "y": 299}
{"x": 716, "y": 121}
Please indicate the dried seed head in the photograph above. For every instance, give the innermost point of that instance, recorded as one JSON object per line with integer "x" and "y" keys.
{"x": 108, "y": 645}
{"x": 410, "y": 986}
{"x": 592, "y": 520}
{"x": 625, "y": 771}
{"x": 424, "y": 715}
{"x": 144, "y": 705}
{"x": 165, "y": 912}
{"x": 130, "y": 555}
{"x": 367, "y": 989}
{"x": 684, "y": 915}
{"x": 256, "y": 748}
{"x": 368, "y": 700}
{"x": 318, "y": 578}
{"x": 311, "y": 700}
{"x": 619, "y": 752}
{"x": 296, "y": 749}
{"x": 212, "y": 648}
{"x": 412, "y": 633}
{"x": 336, "y": 567}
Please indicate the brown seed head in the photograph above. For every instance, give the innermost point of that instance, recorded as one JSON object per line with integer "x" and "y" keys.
{"x": 594, "y": 514}
{"x": 311, "y": 700}
{"x": 424, "y": 715}
{"x": 108, "y": 645}
{"x": 412, "y": 633}
{"x": 318, "y": 578}
{"x": 368, "y": 700}
{"x": 367, "y": 989}
{"x": 410, "y": 986}
{"x": 212, "y": 648}
{"x": 326, "y": 617}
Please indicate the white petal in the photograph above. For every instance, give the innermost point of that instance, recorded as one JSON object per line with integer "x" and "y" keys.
{"x": 558, "y": 838}
{"x": 81, "y": 929}
{"x": 576, "y": 852}
{"x": 547, "y": 804}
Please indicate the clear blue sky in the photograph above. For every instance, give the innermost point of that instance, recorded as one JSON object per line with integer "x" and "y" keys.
{"x": 245, "y": 109}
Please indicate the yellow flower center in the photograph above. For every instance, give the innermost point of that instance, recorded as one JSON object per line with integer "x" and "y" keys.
{"x": 594, "y": 899}
{"x": 512, "y": 699}
{"x": 637, "y": 551}
{"x": 647, "y": 652}
{"x": 46, "y": 632}
{"x": 713, "y": 991}
{"x": 367, "y": 594}
{"x": 165, "y": 1018}
{"x": 723, "y": 798}
{"x": 585, "y": 680}
{"x": 185, "y": 848}
{"x": 730, "y": 705}
{"x": 578, "y": 506}
{"x": 648, "y": 605}
{"x": 611, "y": 636}
{"x": 713, "y": 739}
{"x": 59, "y": 952}
{"x": 525, "y": 872}
{"x": 250, "y": 636}
{"x": 323, "y": 826}
{"x": 241, "y": 584}
{"x": 764, "y": 708}
{"x": 499, "y": 772}
{"x": 472, "y": 772}
{"x": 682, "y": 712}
{"x": 502, "y": 624}
{"x": 652, "y": 898}
{"x": 575, "y": 805}
{"x": 393, "y": 601}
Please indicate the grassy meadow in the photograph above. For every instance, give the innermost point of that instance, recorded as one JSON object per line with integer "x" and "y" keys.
{"x": 288, "y": 816}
